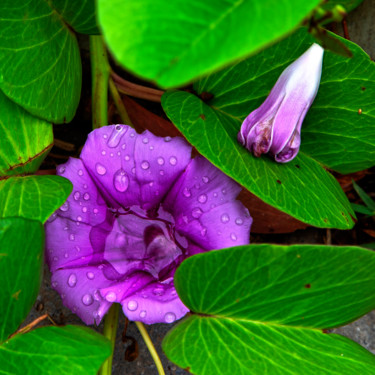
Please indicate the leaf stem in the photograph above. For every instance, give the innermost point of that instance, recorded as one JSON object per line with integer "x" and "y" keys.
{"x": 150, "y": 347}
{"x": 119, "y": 103}
{"x": 110, "y": 328}
{"x": 100, "y": 74}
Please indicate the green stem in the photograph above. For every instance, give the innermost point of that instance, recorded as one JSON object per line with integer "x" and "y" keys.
{"x": 100, "y": 74}
{"x": 110, "y": 328}
{"x": 150, "y": 347}
{"x": 119, "y": 103}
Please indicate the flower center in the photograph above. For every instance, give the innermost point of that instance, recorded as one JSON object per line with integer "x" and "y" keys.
{"x": 140, "y": 241}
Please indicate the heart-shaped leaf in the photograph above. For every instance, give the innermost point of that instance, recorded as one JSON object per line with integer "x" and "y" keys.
{"x": 174, "y": 42}
{"x": 40, "y": 65}
{"x": 55, "y": 350}
{"x": 261, "y": 309}
{"x": 24, "y": 139}
{"x": 21, "y": 264}
{"x": 33, "y": 197}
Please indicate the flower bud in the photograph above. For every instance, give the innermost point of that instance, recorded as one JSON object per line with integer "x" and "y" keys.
{"x": 275, "y": 127}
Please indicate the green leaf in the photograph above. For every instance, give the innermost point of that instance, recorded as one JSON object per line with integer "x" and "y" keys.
{"x": 174, "y": 42}
{"x": 33, "y": 197}
{"x": 24, "y": 139}
{"x": 349, "y": 5}
{"x": 21, "y": 264}
{"x": 260, "y": 309}
{"x": 365, "y": 198}
{"x": 40, "y": 66}
{"x": 362, "y": 209}
{"x": 55, "y": 350}
{"x": 302, "y": 188}
{"x": 80, "y": 15}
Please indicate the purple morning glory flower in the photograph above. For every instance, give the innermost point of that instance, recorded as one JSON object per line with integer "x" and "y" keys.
{"x": 139, "y": 206}
{"x": 275, "y": 127}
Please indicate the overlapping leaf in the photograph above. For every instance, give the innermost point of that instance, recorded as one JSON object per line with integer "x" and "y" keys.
{"x": 260, "y": 309}
{"x": 55, "y": 350}
{"x": 21, "y": 262}
{"x": 33, "y": 197}
{"x": 40, "y": 67}
{"x": 24, "y": 139}
{"x": 174, "y": 42}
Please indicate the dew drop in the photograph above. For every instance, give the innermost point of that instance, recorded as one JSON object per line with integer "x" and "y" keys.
{"x": 151, "y": 148}
{"x": 233, "y": 237}
{"x": 95, "y": 210}
{"x": 202, "y": 198}
{"x": 85, "y": 186}
{"x": 167, "y": 139}
{"x": 97, "y": 296}
{"x": 90, "y": 275}
{"x": 224, "y": 218}
{"x": 80, "y": 172}
{"x": 196, "y": 212}
{"x": 127, "y": 157}
{"x": 161, "y": 173}
{"x": 77, "y": 195}
{"x": 169, "y": 317}
{"x": 84, "y": 209}
{"x": 86, "y": 196}
{"x": 132, "y": 135}
{"x": 205, "y": 179}
{"x": 145, "y": 165}
{"x": 160, "y": 161}
{"x": 158, "y": 291}
{"x": 54, "y": 284}
{"x": 78, "y": 248}
{"x": 133, "y": 170}
{"x": 239, "y": 221}
{"x": 186, "y": 192}
{"x": 204, "y": 231}
{"x": 79, "y": 218}
{"x": 143, "y": 314}
{"x": 121, "y": 181}
{"x": 100, "y": 169}
{"x": 215, "y": 195}
{"x": 185, "y": 219}
{"x": 223, "y": 191}
{"x": 66, "y": 255}
{"x": 87, "y": 300}
{"x": 61, "y": 169}
{"x": 172, "y": 160}
{"x": 103, "y": 152}
{"x": 64, "y": 207}
{"x": 145, "y": 140}
{"x": 71, "y": 237}
{"x": 123, "y": 146}
{"x": 72, "y": 280}
{"x": 55, "y": 259}
{"x": 111, "y": 154}
{"x": 132, "y": 305}
{"x": 116, "y": 136}
{"x": 151, "y": 184}
{"x": 111, "y": 297}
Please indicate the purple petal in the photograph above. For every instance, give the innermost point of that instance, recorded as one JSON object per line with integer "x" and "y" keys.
{"x": 79, "y": 289}
{"x": 133, "y": 169}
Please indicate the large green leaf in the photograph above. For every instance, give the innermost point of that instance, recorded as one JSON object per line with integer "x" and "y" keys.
{"x": 301, "y": 188}
{"x": 261, "y": 309}
{"x": 33, "y": 197}
{"x": 40, "y": 66}
{"x": 21, "y": 262}
{"x": 174, "y": 42}
{"x": 80, "y": 15}
{"x": 55, "y": 350}
{"x": 24, "y": 139}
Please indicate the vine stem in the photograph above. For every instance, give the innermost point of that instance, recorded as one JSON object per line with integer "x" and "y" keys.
{"x": 150, "y": 347}
{"x": 119, "y": 103}
{"x": 110, "y": 329}
{"x": 100, "y": 75}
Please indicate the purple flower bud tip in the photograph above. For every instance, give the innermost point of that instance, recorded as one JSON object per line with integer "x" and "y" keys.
{"x": 139, "y": 206}
{"x": 275, "y": 127}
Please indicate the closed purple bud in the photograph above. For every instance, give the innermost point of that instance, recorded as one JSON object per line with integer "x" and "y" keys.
{"x": 275, "y": 127}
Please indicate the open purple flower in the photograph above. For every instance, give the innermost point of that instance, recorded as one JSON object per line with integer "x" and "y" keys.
{"x": 275, "y": 127}
{"x": 139, "y": 206}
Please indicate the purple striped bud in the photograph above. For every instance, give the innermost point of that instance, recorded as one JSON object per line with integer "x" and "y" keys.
{"x": 275, "y": 127}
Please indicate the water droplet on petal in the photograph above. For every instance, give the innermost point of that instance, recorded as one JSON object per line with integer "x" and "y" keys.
{"x": 202, "y": 198}
{"x": 90, "y": 275}
{"x": 224, "y": 218}
{"x": 203, "y": 231}
{"x": 132, "y": 305}
{"x": 86, "y": 196}
{"x": 123, "y": 146}
{"x": 87, "y": 299}
{"x": 72, "y": 280}
{"x": 103, "y": 152}
{"x": 133, "y": 170}
{"x": 160, "y": 161}
{"x": 121, "y": 181}
{"x": 127, "y": 157}
{"x": 239, "y": 221}
{"x": 76, "y": 195}
{"x": 97, "y": 295}
{"x": 116, "y": 136}
{"x": 233, "y": 237}
{"x": 84, "y": 209}
{"x": 95, "y": 210}
{"x": 169, "y": 317}
{"x": 167, "y": 139}
{"x": 145, "y": 165}
{"x": 143, "y": 314}
{"x": 161, "y": 173}
{"x": 100, "y": 169}
{"x": 186, "y": 192}
{"x": 64, "y": 207}
{"x": 151, "y": 184}
{"x": 111, "y": 297}
{"x": 66, "y": 255}
{"x": 71, "y": 237}
{"x": 158, "y": 291}
{"x": 80, "y": 172}
{"x": 205, "y": 179}
{"x": 196, "y": 212}
{"x": 61, "y": 169}
{"x": 215, "y": 195}
{"x": 223, "y": 191}
{"x": 145, "y": 140}
{"x": 173, "y": 293}
{"x": 85, "y": 186}
{"x": 54, "y": 284}
{"x": 79, "y": 218}
{"x": 172, "y": 160}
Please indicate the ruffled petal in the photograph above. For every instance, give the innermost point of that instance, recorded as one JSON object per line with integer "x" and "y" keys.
{"x": 79, "y": 290}
{"x": 134, "y": 169}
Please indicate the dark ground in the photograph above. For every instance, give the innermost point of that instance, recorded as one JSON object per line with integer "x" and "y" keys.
{"x": 361, "y": 30}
